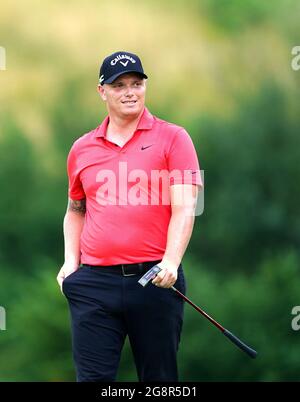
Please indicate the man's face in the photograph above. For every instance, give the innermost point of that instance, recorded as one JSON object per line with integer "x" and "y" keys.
{"x": 125, "y": 96}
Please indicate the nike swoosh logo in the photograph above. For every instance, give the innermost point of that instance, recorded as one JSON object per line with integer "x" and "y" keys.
{"x": 193, "y": 172}
{"x": 124, "y": 63}
{"x": 148, "y": 146}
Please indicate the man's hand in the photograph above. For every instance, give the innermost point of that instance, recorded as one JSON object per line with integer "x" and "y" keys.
{"x": 66, "y": 270}
{"x": 167, "y": 276}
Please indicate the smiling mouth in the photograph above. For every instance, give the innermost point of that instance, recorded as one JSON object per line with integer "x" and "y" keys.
{"x": 129, "y": 102}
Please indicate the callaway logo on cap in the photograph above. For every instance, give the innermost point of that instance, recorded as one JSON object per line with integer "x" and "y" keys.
{"x": 119, "y": 63}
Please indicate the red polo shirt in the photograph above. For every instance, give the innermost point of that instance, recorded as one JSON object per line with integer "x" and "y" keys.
{"x": 127, "y": 189}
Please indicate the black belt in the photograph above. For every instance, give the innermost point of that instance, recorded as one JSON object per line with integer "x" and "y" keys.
{"x": 124, "y": 269}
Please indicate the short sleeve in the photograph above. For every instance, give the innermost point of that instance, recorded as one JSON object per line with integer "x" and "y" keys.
{"x": 76, "y": 191}
{"x": 183, "y": 161}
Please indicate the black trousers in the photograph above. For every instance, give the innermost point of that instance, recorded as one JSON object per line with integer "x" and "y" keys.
{"x": 105, "y": 307}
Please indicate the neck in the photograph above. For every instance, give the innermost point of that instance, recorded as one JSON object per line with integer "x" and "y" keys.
{"x": 122, "y": 124}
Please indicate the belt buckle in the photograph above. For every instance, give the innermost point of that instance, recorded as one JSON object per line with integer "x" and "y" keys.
{"x": 124, "y": 273}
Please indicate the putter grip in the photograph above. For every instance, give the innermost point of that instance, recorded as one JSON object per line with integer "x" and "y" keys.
{"x": 251, "y": 352}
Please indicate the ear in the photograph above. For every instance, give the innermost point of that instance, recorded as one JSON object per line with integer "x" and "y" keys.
{"x": 101, "y": 91}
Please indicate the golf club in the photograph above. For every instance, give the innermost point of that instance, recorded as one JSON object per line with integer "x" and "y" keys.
{"x": 149, "y": 275}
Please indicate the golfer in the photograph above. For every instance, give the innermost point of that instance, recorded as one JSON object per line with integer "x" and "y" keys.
{"x": 133, "y": 184}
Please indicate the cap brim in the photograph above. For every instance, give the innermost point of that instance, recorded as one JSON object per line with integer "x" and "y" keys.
{"x": 114, "y": 77}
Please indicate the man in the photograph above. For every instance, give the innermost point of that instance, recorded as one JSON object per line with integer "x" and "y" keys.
{"x": 132, "y": 194}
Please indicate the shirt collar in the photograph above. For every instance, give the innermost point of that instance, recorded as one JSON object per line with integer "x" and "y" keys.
{"x": 145, "y": 123}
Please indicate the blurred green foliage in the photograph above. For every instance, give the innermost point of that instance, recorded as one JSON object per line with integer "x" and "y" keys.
{"x": 212, "y": 71}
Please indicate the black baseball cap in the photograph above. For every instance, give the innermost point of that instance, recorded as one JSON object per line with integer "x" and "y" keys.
{"x": 119, "y": 63}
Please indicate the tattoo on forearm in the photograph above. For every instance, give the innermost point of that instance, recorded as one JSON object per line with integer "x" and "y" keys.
{"x": 77, "y": 206}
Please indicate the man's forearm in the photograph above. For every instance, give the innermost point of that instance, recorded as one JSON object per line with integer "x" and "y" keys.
{"x": 179, "y": 234}
{"x": 73, "y": 225}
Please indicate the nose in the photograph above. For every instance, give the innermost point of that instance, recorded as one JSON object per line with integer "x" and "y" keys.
{"x": 129, "y": 91}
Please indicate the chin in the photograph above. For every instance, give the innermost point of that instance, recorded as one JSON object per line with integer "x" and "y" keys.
{"x": 135, "y": 111}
